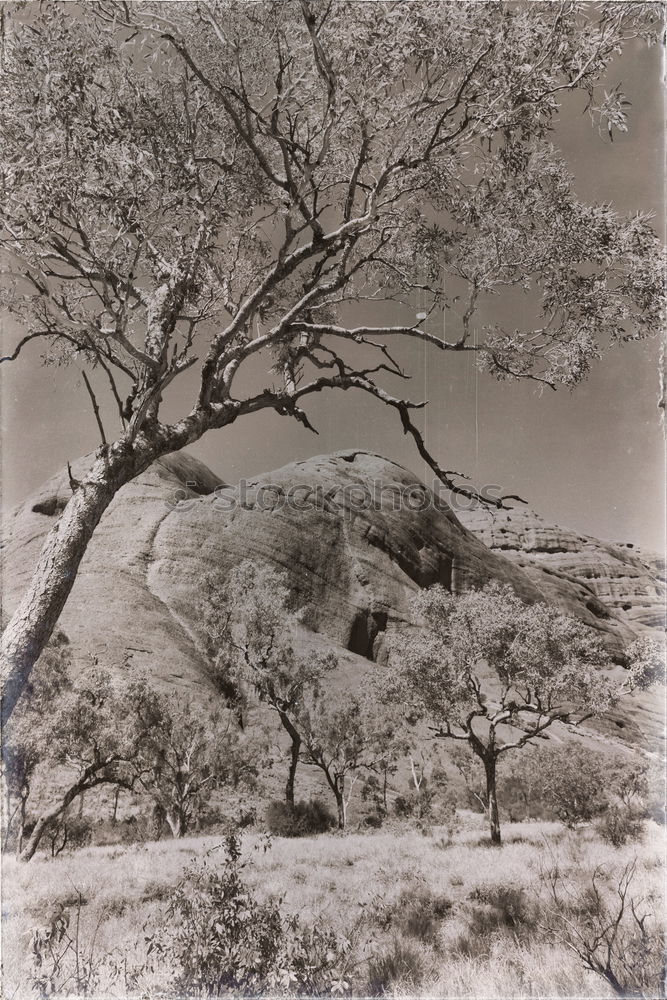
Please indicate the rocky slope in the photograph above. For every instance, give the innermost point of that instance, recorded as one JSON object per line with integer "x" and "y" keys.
{"x": 355, "y": 534}
{"x": 629, "y": 583}
{"x": 112, "y": 613}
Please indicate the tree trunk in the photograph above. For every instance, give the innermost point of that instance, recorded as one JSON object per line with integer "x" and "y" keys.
{"x": 341, "y": 805}
{"x": 9, "y": 814}
{"x": 35, "y": 618}
{"x": 93, "y": 776}
{"x": 177, "y": 823}
{"x": 294, "y": 762}
{"x": 157, "y": 821}
{"x": 492, "y": 798}
{"x": 115, "y": 465}
{"x": 114, "y": 812}
{"x": 294, "y": 759}
{"x": 21, "y": 834}
{"x": 40, "y": 828}
{"x": 56, "y": 848}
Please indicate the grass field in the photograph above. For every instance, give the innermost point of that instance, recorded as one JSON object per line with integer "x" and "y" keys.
{"x": 366, "y": 885}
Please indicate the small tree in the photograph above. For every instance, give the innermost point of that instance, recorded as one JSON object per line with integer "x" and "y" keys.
{"x": 574, "y": 782}
{"x": 386, "y": 764}
{"x": 187, "y": 752}
{"x": 344, "y": 740}
{"x": 252, "y": 645}
{"x": 95, "y": 734}
{"x": 427, "y": 779}
{"x": 26, "y": 737}
{"x": 631, "y": 783}
{"x": 490, "y": 671}
{"x": 614, "y": 931}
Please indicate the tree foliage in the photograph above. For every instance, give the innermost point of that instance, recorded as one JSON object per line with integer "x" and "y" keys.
{"x": 572, "y": 781}
{"x": 254, "y": 646}
{"x": 185, "y": 755}
{"x": 93, "y": 734}
{"x": 221, "y": 185}
{"x": 342, "y": 739}
{"x": 576, "y": 784}
{"x": 495, "y": 673}
{"x": 27, "y": 739}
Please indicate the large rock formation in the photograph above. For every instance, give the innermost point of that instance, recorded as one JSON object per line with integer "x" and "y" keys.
{"x": 355, "y": 534}
{"x": 112, "y": 613}
{"x": 629, "y": 583}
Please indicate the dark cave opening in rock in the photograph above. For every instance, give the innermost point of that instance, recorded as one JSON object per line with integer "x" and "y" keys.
{"x": 366, "y": 627}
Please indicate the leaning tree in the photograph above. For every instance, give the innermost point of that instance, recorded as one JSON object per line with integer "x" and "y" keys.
{"x": 92, "y": 734}
{"x": 493, "y": 673}
{"x": 223, "y": 189}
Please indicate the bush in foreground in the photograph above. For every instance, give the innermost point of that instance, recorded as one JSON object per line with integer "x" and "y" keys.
{"x": 620, "y": 825}
{"x": 615, "y": 931}
{"x": 401, "y": 962}
{"x": 223, "y": 941}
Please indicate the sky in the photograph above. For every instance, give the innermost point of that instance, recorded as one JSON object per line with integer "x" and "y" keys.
{"x": 592, "y": 459}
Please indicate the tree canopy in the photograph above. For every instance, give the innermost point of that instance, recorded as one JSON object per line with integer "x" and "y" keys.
{"x": 488, "y": 670}
{"x": 223, "y": 186}
{"x": 254, "y": 649}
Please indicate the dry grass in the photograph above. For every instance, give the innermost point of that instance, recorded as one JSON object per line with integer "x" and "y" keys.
{"x": 338, "y": 879}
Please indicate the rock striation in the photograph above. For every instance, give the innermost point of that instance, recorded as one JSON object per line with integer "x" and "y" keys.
{"x": 356, "y": 536}
{"x": 629, "y": 584}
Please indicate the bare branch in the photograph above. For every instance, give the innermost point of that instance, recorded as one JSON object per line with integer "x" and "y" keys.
{"x": 96, "y": 409}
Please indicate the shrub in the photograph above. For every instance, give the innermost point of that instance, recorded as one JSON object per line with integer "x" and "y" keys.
{"x": 373, "y": 821}
{"x": 403, "y": 806}
{"x": 223, "y": 940}
{"x": 620, "y": 825}
{"x": 572, "y": 779}
{"x": 155, "y": 890}
{"x": 307, "y": 818}
{"x": 471, "y": 944}
{"x": 420, "y": 913}
{"x": 497, "y": 908}
{"x": 400, "y": 963}
{"x": 511, "y": 903}
{"x": 577, "y": 785}
{"x": 131, "y": 830}
{"x": 416, "y": 802}
{"x": 374, "y": 793}
{"x": 637, "y": 790}
{"x": 70, "y": 833}
{"x": 616, "y": 932}
{"x": 519, "y": 793}
{"x": 114, "y": 907}
{"x": 657, "y": 811}
{"x": 62, "y": 961}
{"x": 247, "y": 817}
{"x": 417, "y": 913}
